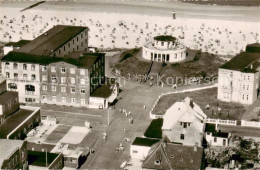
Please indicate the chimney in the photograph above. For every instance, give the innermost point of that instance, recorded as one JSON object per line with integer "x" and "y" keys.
{"x": 191, "y": 102}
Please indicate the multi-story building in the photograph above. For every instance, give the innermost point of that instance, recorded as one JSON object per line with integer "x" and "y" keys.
{"x": 13, "y": 154}
{"x": 24, "y": 75}
{"x": 184, "y": 122}
{"x": 8, "y": 101}
{"x": 238, "y": 79}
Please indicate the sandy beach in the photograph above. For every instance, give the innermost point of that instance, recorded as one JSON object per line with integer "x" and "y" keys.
{"x": 128, "y": 24}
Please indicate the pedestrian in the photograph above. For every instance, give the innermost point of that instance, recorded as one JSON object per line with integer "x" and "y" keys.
{"x": 129, "y": 113}
{"x": 131, "y": 120}
{"x": 120, "y": 110}
{"x": 126, "y": 114}
{"x": 124, "y": 130}
{"x": 144, "y": 107}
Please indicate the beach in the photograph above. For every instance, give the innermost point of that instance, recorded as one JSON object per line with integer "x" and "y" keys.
{"x": 128, "y": 24}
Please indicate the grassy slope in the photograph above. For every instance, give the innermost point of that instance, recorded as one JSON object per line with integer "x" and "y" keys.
{"x": 202, "y": 98}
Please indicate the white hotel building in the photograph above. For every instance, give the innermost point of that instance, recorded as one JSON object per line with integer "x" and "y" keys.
{"x": 238, "y": 79}
{"x": 164, "y": 48}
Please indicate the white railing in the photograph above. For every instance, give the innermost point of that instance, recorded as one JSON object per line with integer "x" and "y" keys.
{"x": 222, "y": 122}
{"x": 250, "y": 123}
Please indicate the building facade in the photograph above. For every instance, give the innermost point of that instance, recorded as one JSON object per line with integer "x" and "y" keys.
{"x": 238, "y": 79}
{"x": 184, "y": 122}
{"x": 164, "y": 49}
{"x": 13, "y": 154}
{"x": 23, "y": 77}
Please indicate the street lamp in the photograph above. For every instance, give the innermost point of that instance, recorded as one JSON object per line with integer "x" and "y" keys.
{"x": 108, "y": 121}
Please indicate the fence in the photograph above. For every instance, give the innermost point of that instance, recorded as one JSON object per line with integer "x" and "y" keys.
{"x": 221, "y": 122}
{"x": 250, "y": 123}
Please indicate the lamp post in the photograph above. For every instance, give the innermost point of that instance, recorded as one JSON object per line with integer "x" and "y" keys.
{"x": 108, "y": 116}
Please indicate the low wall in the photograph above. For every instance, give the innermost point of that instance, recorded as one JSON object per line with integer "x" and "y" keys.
{"x": 250, "y": 123}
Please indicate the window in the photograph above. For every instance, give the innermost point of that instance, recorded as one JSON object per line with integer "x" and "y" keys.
{"x": 29, "y": 88}
{"x": 24, "y": 66}
{"x": 44, "y": 87}
{"x": 53, "y": 98}
{"x": 44, "y": 97}
{"x": 15, "y": 66}
{"x": 73, "y": 90}
{"x": 63, "y": 99}
{"x": 157, "y": 162}
{"x": 12, "y": 86}
{"x": 83, "y": 91}
{"x": 32, "y": 67}
{"x": 53, "y": 88}
{"x": 72, "y": 80}
{"x": 44, "y": 78}
{"x": 73, "y": 100}
{"x": 25, "y": 76}
{"x": 44, "y": 68}
{"x": 162, "y": 43}
{"x": 82, "y": 81}
{"x": 215, "y": 139}
{"x": 53, "y": 69}
{"x": 63, "y": 89}
{"x": 184, "y": 125}
{"x": 72, "y": 70}
{"x": 182, "y": 137}
{"x": 33, "y": 77}
{"x": 134, "y": 151}
{"x": 244, "y": 87}
{"x": 83, "y": 101}
{"x": 53, "y": 79}
{"x": 7, "y": 75}
{"x": 231, "y": 74}
{"x": 15, "y": 75}
{"x": 63, "y": 70}
{"x": 63, "y": 80}
{"x": 247, "y": 87}
{"x": 82, "y": 71}
{"x": 7, "y": 65}
{"x": 246, "y": 97}
{"x": 248, "y": 78}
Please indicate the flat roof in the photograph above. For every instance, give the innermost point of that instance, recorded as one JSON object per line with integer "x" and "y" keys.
{"x": 85, "y": 61}
{"x": 7, "y": 148}
{"x": 144, "y": 141}
{"x": 4, "y": 97}
{"x": 242, "y": 62}
{"x": 37, "y": 158}
{"x": 155, "y": 129}
{"x": 18, "y": 43}
{"x": 104, "y": 90}
{"x": 165, "y": 38}
{"x": 51, "y": 40}
{"x": 13, "y": 121}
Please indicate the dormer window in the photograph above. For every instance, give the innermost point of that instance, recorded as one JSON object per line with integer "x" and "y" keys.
{"x": 157, "y": 162}
{"x": 24, "y": 66}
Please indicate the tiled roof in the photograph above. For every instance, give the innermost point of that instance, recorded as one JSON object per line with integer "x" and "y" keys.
{"x": 242, "y": 62}
{"x": 7, "y": 96}
{"x": 171, "y": 156}
{"x": 51, "y": 40}
{"x": 184, "y": 112}
{"x": 8, "y": 147}
{"x": 85, "y": 61}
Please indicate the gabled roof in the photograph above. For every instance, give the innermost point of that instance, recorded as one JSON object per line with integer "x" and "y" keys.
{"x": 185, "y": 111}
{"x": 242, "y": 62}
{"x": 85, "y": 61}
{"x": 51, "y": 40}
{"x": 171, "y": 156}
